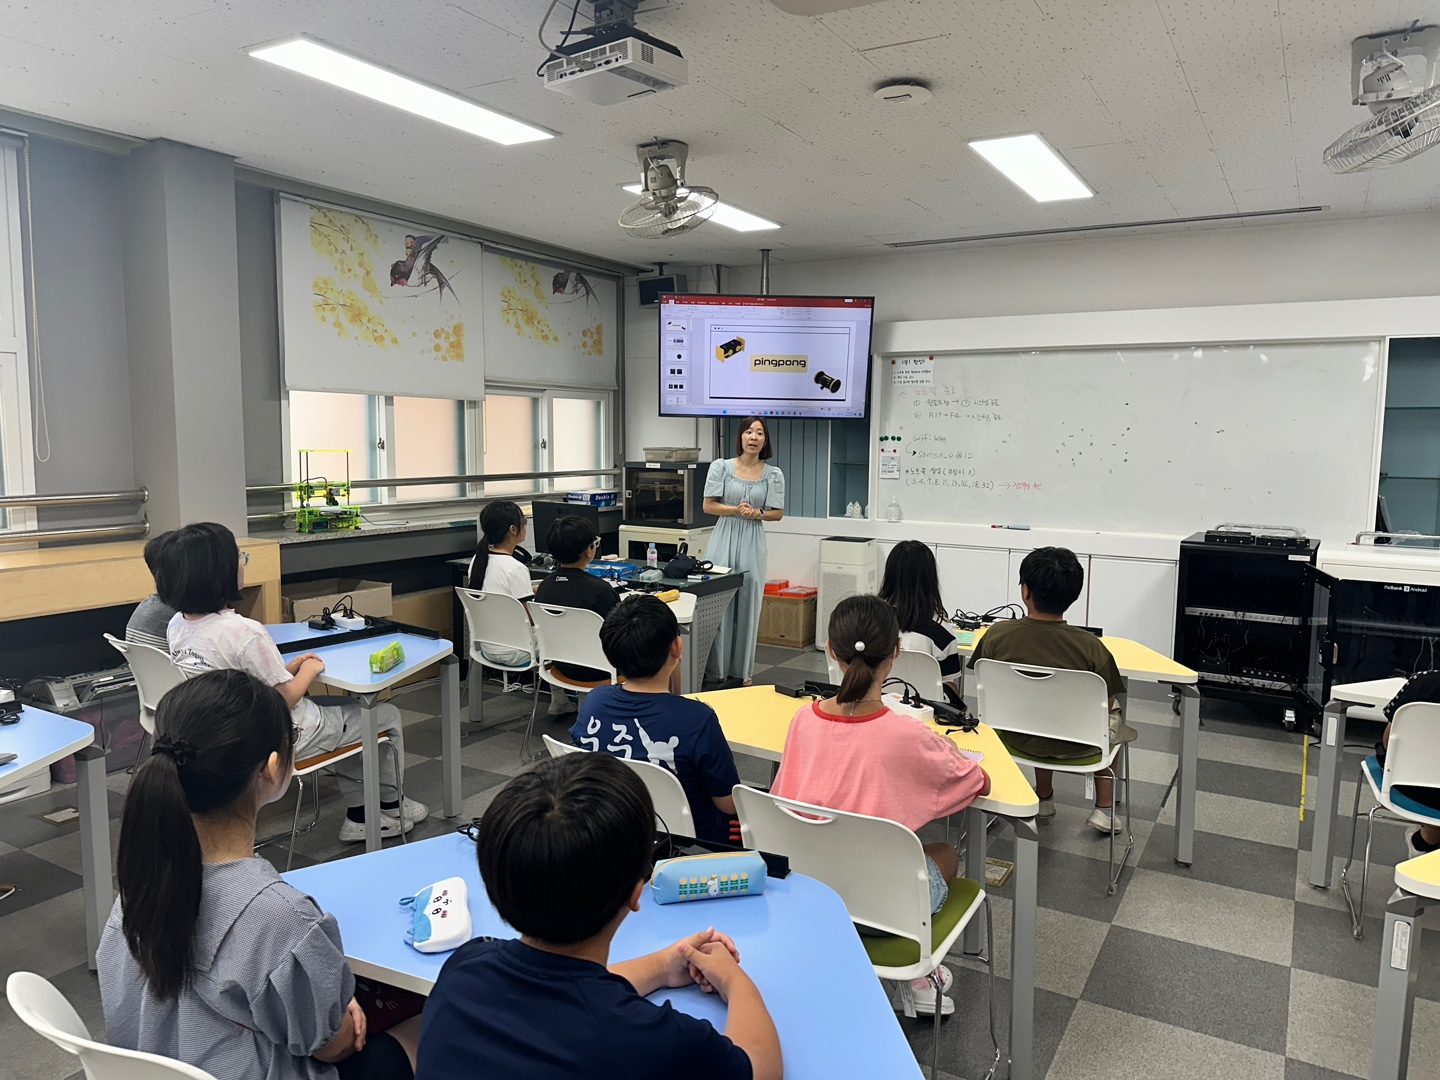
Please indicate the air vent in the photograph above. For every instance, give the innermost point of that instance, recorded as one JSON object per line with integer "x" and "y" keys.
{"x": 647, "y": 54}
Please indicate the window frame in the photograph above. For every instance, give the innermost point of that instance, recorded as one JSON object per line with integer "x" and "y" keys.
{"x": 17, "y": 462}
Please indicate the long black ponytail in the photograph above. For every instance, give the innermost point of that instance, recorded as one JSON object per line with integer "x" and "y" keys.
{"x": 863, "y": 634}
{"x": 496, "y": 521}
{"x": 213, "y": 734}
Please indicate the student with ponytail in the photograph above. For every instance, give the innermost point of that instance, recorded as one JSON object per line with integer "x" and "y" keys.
{"x": 852, "y": 753}
{"x": 496, "y": 568}
{"x": 208, "y": 956}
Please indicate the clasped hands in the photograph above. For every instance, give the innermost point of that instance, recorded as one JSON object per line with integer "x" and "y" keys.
{"x": 745, "y": 510}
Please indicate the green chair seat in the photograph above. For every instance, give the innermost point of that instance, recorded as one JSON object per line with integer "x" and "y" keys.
{"x": 1085, "y": 759}
{"x": 894, "y": 951}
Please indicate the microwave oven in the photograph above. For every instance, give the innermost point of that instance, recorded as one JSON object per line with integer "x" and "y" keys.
{"x": 666, "y": 494}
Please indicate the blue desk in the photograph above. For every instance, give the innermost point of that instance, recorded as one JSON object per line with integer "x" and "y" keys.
{"x": 347, "y": 667}
{"x": 797, "y": 943}
{"x": 39, "y": 740}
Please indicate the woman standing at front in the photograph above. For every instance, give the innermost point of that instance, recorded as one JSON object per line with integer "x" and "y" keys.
{"x": 742, "y": 492}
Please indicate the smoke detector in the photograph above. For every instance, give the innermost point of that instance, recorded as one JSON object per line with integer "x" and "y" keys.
{"x": 902, "y": 92}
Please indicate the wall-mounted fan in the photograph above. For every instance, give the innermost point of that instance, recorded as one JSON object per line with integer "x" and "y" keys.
{"x": 667, "y": 206}
{"x": 1395, "y": 74}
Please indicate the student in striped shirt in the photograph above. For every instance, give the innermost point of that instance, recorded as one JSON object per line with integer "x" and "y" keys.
{"x": 151, "y": 617}
{"x": 912, "y": 588}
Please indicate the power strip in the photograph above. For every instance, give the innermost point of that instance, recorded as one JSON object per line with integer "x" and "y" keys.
{"x": 351, "y": 622}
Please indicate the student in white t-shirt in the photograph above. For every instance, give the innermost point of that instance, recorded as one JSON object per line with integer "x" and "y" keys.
{"x": 494, "y": 568}
{"x": 200, "y": 574}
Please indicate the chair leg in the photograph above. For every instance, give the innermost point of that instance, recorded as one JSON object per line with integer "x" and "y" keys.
{"x": 1122, "y": 777}
{"x": 295, "y": 818}
{"x": 990, "y": 971}
{"x": 525, "y": 756}
{"x": 937, "y": 983}
{"x": 399, "y": 788}
{"x": 1355, "y": 922}
{"x": 140, "y": 750}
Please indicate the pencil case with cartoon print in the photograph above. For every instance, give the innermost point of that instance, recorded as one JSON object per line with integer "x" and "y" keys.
{"x": 708, "y": 877}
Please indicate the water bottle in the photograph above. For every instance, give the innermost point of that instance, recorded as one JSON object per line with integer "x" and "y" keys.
{"x": 652, "y": 557}
{"x": 892, "y": 512}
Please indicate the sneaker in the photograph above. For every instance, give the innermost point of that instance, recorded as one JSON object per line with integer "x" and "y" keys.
{"x": 1099, "y": 820}
{"x": 561, "y": 705}
{"x": 922, "y": 992}
{"x": 1047, "y": 808}
{"x": 1121, "y": 732}
{"x": 352, "y": 832}
{"x": 1418, "y": 843}
{"x": 412, "y": 811}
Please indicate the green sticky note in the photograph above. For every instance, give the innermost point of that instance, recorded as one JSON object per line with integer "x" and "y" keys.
{"x": 965, "y": 637}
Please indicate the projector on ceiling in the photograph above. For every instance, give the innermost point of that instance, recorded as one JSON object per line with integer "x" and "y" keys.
{"x": 613, "y": 65}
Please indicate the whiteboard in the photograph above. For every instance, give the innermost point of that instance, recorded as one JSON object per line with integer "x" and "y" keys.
{"x": 374, "y": 306}
{"x": 1151, "y": 439}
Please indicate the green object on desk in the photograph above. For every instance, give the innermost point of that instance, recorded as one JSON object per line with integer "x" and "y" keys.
{"x": 965, "y": 637}
{"x": 382, "y": 660}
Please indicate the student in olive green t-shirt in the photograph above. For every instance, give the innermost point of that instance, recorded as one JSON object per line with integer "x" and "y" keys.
{"x": 1050, "y": 581}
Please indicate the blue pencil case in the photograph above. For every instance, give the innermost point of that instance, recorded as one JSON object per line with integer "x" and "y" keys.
{"x": 708, "y": 877}
{"x": 440, "y": 916}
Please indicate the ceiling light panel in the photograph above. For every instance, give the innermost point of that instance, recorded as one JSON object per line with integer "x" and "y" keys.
{"x": 732, "y": 217}
{"x": 1032, "y": 165}
{"x": 379, "y": 84}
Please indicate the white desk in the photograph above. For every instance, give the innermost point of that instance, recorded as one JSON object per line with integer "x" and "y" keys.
{"x": 1374, "y": 694}
{"x": 347, "y": 667}
{"x": 1417, "y": 886}
{"x": 39, "y": 740}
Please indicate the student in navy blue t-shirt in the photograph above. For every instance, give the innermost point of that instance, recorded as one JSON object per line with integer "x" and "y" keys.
{"x": 564, "y": 852}
{"x": 643, "y": 721}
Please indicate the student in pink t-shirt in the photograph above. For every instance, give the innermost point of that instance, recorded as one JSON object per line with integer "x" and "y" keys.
{"x": 852, "y": 753}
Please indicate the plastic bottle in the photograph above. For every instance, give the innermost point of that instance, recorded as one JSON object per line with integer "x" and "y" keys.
{"x": 652, "y": 557}
{"x": 892, "y": 512}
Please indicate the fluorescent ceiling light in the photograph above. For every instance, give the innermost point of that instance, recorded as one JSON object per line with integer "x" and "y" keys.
{"x": 732, "y": 217}
{"x": 1032, "y": 165}
{"x": 374, "y": 82}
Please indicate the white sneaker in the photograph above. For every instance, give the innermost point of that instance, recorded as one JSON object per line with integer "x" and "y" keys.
{"x": 412, "y": 811}
{"x": 561, "y": 705}
{"x": 1099, "y": 820}
{"x": 352, "y": 832}
{"x": 922, "y": 993}
{"x": 1047, "y": 808}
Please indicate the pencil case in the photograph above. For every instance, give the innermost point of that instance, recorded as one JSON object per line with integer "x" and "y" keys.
{"x": 382, "y": 660}
{"x": 708, "y": 877}
{"x": 440, "y": 916}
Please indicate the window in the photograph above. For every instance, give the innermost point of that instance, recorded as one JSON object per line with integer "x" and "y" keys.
{"x": 335, "y": 422}
{"x": 427, "y": 437}
{"x": 512, "y": 440}
{"x": 578, "y": 427}
{"x": 17, "y": 467}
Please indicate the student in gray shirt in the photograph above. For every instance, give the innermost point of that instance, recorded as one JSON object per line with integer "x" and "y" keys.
{"x": 151, "y": 617}
{"x": 208, "y": 956}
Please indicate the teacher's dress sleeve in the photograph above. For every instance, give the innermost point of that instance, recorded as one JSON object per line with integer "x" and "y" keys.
{"x": 715, "y": 480}
{"x": 775, "y": 499}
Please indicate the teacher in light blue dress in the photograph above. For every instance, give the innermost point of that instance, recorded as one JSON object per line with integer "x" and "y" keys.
{"x": 742, "y": 492}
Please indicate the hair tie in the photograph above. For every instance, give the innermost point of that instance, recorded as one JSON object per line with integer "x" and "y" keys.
{"x": 180, "y": 750}
{"x": 859, "y": 646}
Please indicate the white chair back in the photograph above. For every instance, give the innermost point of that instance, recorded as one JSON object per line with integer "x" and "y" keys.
{"x": 571, "y": 636}
{"x": 867, "y": 860}
{"x": 45, "y": 1011}
{"x": 560, "y": 749}
{"x": 1054, "y": 702}
{"x": 920, "y": 670}
{"x": 154, "y": 672}
{"x": 497, "y": 620}
{"x": 1412, "y": 754}
{"x": 672, "y": 808}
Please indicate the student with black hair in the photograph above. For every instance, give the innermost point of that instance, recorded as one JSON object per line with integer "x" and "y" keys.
{"x": 208, "y": 955}
{"x": 912, "y": 587}
{"x": 1051, "y": 579}
{"x": 200, "y": 574}
{"x": 151, "y": 617}
{"x": 496, "y": 568}
{"x": 573, "y": 541}
{"x": 565, "y": 852}
{"x": 641, "y": 720}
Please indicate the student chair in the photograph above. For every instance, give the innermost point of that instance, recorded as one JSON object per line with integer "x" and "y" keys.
{"x": 672, "y": 807}
{"x": 1059, "y": 704}
{"x": 155, "y": 673}
{"x": 1412, "y": 760}
{"x": 878, "y": 868}
{"x": 571, "y": 636}
{"x": 920, "y": 670}
{"x": 45, "y": 1011}
{"x": 501, "y": 622}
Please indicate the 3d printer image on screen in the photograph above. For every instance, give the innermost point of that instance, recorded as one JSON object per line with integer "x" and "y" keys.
{"x": 789, "y": 365}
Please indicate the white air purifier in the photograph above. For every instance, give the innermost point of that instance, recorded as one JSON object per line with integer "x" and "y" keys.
{"x": 848, "y": 567}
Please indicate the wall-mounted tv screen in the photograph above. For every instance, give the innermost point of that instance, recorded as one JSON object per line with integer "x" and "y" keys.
{"x": 784, "y": 356}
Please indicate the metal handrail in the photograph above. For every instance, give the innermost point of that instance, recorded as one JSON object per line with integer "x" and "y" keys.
{"x": 92, "y": 498}
{"x": 428, "y": 481}
{"x": 132, "y": 531}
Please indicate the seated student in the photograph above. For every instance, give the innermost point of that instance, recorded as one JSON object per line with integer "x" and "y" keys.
{"x": 912, "y": 588}
{"x": 209, "y": 956}
{"x": 643, "y": 721}
{"x": 573, "y": 541}
{"x": 1422, "y": 686}
{"x": 502, "y": 524}
{"x": 1050, "y": 581}
{"x": 201, "y": 573}
{"x": 852, "y": 753}
{"x": 565, "y": 853}
{"x": 151, "y": 618}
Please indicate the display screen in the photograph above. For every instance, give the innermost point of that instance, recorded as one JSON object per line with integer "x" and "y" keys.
{"x": 785, "y": 356}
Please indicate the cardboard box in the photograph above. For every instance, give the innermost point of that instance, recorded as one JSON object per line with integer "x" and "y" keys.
{"x": 787, "y": 621}
{"x": 303, "y": 601}
{"x": 433, "y": 609}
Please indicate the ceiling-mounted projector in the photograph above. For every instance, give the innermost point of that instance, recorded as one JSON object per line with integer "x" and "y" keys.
{"x": 614, "y": 63}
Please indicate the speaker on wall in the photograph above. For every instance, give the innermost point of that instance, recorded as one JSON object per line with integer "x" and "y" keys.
{"x": 651, "y": 288}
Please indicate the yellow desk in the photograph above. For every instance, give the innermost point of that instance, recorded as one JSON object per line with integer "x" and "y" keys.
{"x": 756, "y": 720}
{"x": 1143, "y": 664}
{"x": 52, "y": 581}
{"x": 1417, "y": 886}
